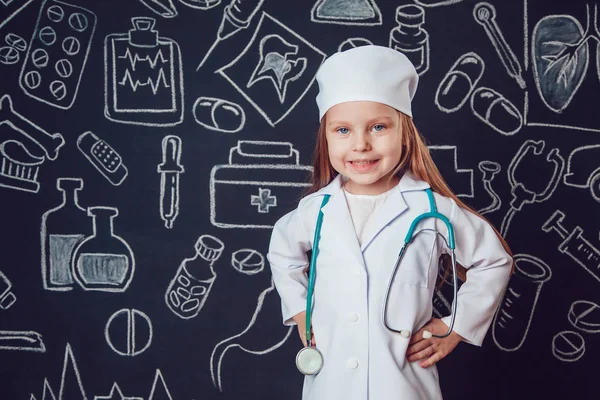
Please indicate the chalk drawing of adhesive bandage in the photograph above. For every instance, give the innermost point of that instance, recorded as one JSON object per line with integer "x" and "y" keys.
{"x": 252, "y": 339}
{"x": 275, "y": 70}
{"x": 574, "y": 244}
{"x": 525, "y": 187}
{"x": 346, "y": 12}
{"x": 189, "y": 289}
{"x": 20, "y": 162}
{"x": 58, "y": 53}
{"x": 143, "y": 77}
{"x": 460, "y": 180}
{"x": 137, "y": 328}
{"x": 513, "y": 318}
{"x": 583, "y": 169}
{"x": 106, "y": 160}
{"x": 258, "y": 186}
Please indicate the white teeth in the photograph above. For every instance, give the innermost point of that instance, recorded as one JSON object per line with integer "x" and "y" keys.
{"x": 362, "y": 162}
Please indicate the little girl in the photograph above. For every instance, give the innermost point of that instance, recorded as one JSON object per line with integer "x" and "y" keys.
{"x": 374, "y": 165}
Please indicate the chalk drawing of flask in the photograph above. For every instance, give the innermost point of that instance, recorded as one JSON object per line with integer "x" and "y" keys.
{"x": 62, "y": 229}
{"x": 514, "y": 316}
{"x": 191, "y": 286}
{"x": 103, "y": 261}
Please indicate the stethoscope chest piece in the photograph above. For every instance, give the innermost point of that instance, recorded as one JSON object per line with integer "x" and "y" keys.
{"x": 309, "y": 360}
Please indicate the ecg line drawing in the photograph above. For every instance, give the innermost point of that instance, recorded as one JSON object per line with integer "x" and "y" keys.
{"x": 143, "y": 77}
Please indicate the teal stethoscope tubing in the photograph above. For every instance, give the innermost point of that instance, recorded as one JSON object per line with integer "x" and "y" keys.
{"x": 433, "y": 213}
{"x": 312, "y": 273}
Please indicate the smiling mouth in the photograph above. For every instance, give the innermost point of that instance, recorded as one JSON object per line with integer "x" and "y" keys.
{"x": 361, "y": 163}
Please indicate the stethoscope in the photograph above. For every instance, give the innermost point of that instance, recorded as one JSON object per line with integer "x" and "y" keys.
{"x": 309, "y": 360}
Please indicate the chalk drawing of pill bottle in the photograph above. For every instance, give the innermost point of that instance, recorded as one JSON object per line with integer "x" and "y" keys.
{"x": 191, "y": 286}
{"x": 514, "y": 316}
{"x": 103, "y": 261}
{"x": 63, "y": 228}
{"x": 410, "y": 38}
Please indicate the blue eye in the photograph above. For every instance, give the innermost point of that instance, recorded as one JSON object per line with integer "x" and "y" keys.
{"x": 378, "y": 127}
{"x": 343, "y": 131}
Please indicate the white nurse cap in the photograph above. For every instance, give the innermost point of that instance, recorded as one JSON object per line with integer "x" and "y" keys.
{"x": 367, "y": 73}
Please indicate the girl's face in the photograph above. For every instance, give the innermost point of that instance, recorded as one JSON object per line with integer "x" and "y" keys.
{"x": 365, "y": 144}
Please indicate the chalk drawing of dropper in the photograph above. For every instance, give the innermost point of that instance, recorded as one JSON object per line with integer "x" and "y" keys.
{"x": 575, "y": 245}
{"x": 169, "y": 170}
{"x": 521, "y": 195}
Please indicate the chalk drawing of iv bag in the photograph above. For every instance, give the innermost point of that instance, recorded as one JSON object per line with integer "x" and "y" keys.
{"x": 103, "y": 261}
{"x": 560, "y": 54}
{"x": 143, "y": 77}
{"x": 262, "y": 182}
{"x": 63, "y": 228}
{"x": 513, "y": 318}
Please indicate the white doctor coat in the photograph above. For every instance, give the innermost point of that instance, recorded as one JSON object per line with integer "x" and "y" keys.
{"x": 362, "y": 359}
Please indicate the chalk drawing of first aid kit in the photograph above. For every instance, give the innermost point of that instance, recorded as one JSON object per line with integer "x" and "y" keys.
{"x": 262, "y": 182}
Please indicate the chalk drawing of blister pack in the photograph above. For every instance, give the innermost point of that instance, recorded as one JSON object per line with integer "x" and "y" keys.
{"x": 275, "y": 70}
{"x": 58, "y": 53}
{"x": 260, "y": 184}
{"x": 143, "y": 77}
{"x": 562, "y": 39}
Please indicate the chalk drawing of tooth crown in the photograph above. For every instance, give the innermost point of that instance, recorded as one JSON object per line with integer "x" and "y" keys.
{"x": 261, "y": 182}
{"x": 560, "y": 53}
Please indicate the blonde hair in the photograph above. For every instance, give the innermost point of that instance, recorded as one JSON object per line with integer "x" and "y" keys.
{"x": 415, "y": 158}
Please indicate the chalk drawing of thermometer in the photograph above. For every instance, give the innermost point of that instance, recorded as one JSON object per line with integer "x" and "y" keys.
{"x": 485, "y": 15}
{"x": 574, "y": 244}
{"x": 522, "y": 195}
{"x": 169, "y": 170}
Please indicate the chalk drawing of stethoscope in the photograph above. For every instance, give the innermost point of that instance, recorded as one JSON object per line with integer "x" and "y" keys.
{"x": 521, "y": 195}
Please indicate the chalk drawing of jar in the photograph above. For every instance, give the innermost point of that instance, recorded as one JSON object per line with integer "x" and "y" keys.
{"x": 513, "y": 318}
{"x": 103, "y": 261}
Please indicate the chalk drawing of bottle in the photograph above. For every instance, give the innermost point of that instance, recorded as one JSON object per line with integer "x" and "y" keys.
{"x": 410, "y": 38}
{"x": 514, "y": 316}
{"x": 103, "y": 261}
{"x": 191, "y": 286}
{"x": 63, "y": 227}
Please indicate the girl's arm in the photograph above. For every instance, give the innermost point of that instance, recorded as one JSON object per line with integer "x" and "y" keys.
{"x": 488, "y": 269}
{"x": 289, "y": 261}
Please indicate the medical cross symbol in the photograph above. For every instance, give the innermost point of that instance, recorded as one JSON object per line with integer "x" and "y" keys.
{"x": 264, "y": 200}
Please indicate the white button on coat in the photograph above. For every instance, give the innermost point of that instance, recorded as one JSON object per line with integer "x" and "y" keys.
{"x": 352, "y": 363}
{"x": 352, "y": 317}
{"x": 384, "y": 372}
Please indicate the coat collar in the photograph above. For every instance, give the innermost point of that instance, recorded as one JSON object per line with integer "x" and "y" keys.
{"x": 336, "y": 212}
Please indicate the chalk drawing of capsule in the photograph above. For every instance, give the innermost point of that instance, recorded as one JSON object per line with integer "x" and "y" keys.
{"x": 143, "y": 77}
{"x": 513, "y": 318}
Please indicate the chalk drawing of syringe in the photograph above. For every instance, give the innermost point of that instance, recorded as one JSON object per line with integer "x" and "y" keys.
{"x": 575, "y": 245}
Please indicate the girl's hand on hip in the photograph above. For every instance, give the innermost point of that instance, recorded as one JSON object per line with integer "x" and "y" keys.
{"x": 300, "y": 320}
{"x": 431, "y": 350}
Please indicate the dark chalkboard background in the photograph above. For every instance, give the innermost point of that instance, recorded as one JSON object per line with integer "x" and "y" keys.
{"x": 544, "y": 346}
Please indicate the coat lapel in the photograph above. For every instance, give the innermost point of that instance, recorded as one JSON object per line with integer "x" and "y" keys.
{"x": 393, "y": 206}
{"x": 336, "y": 214}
